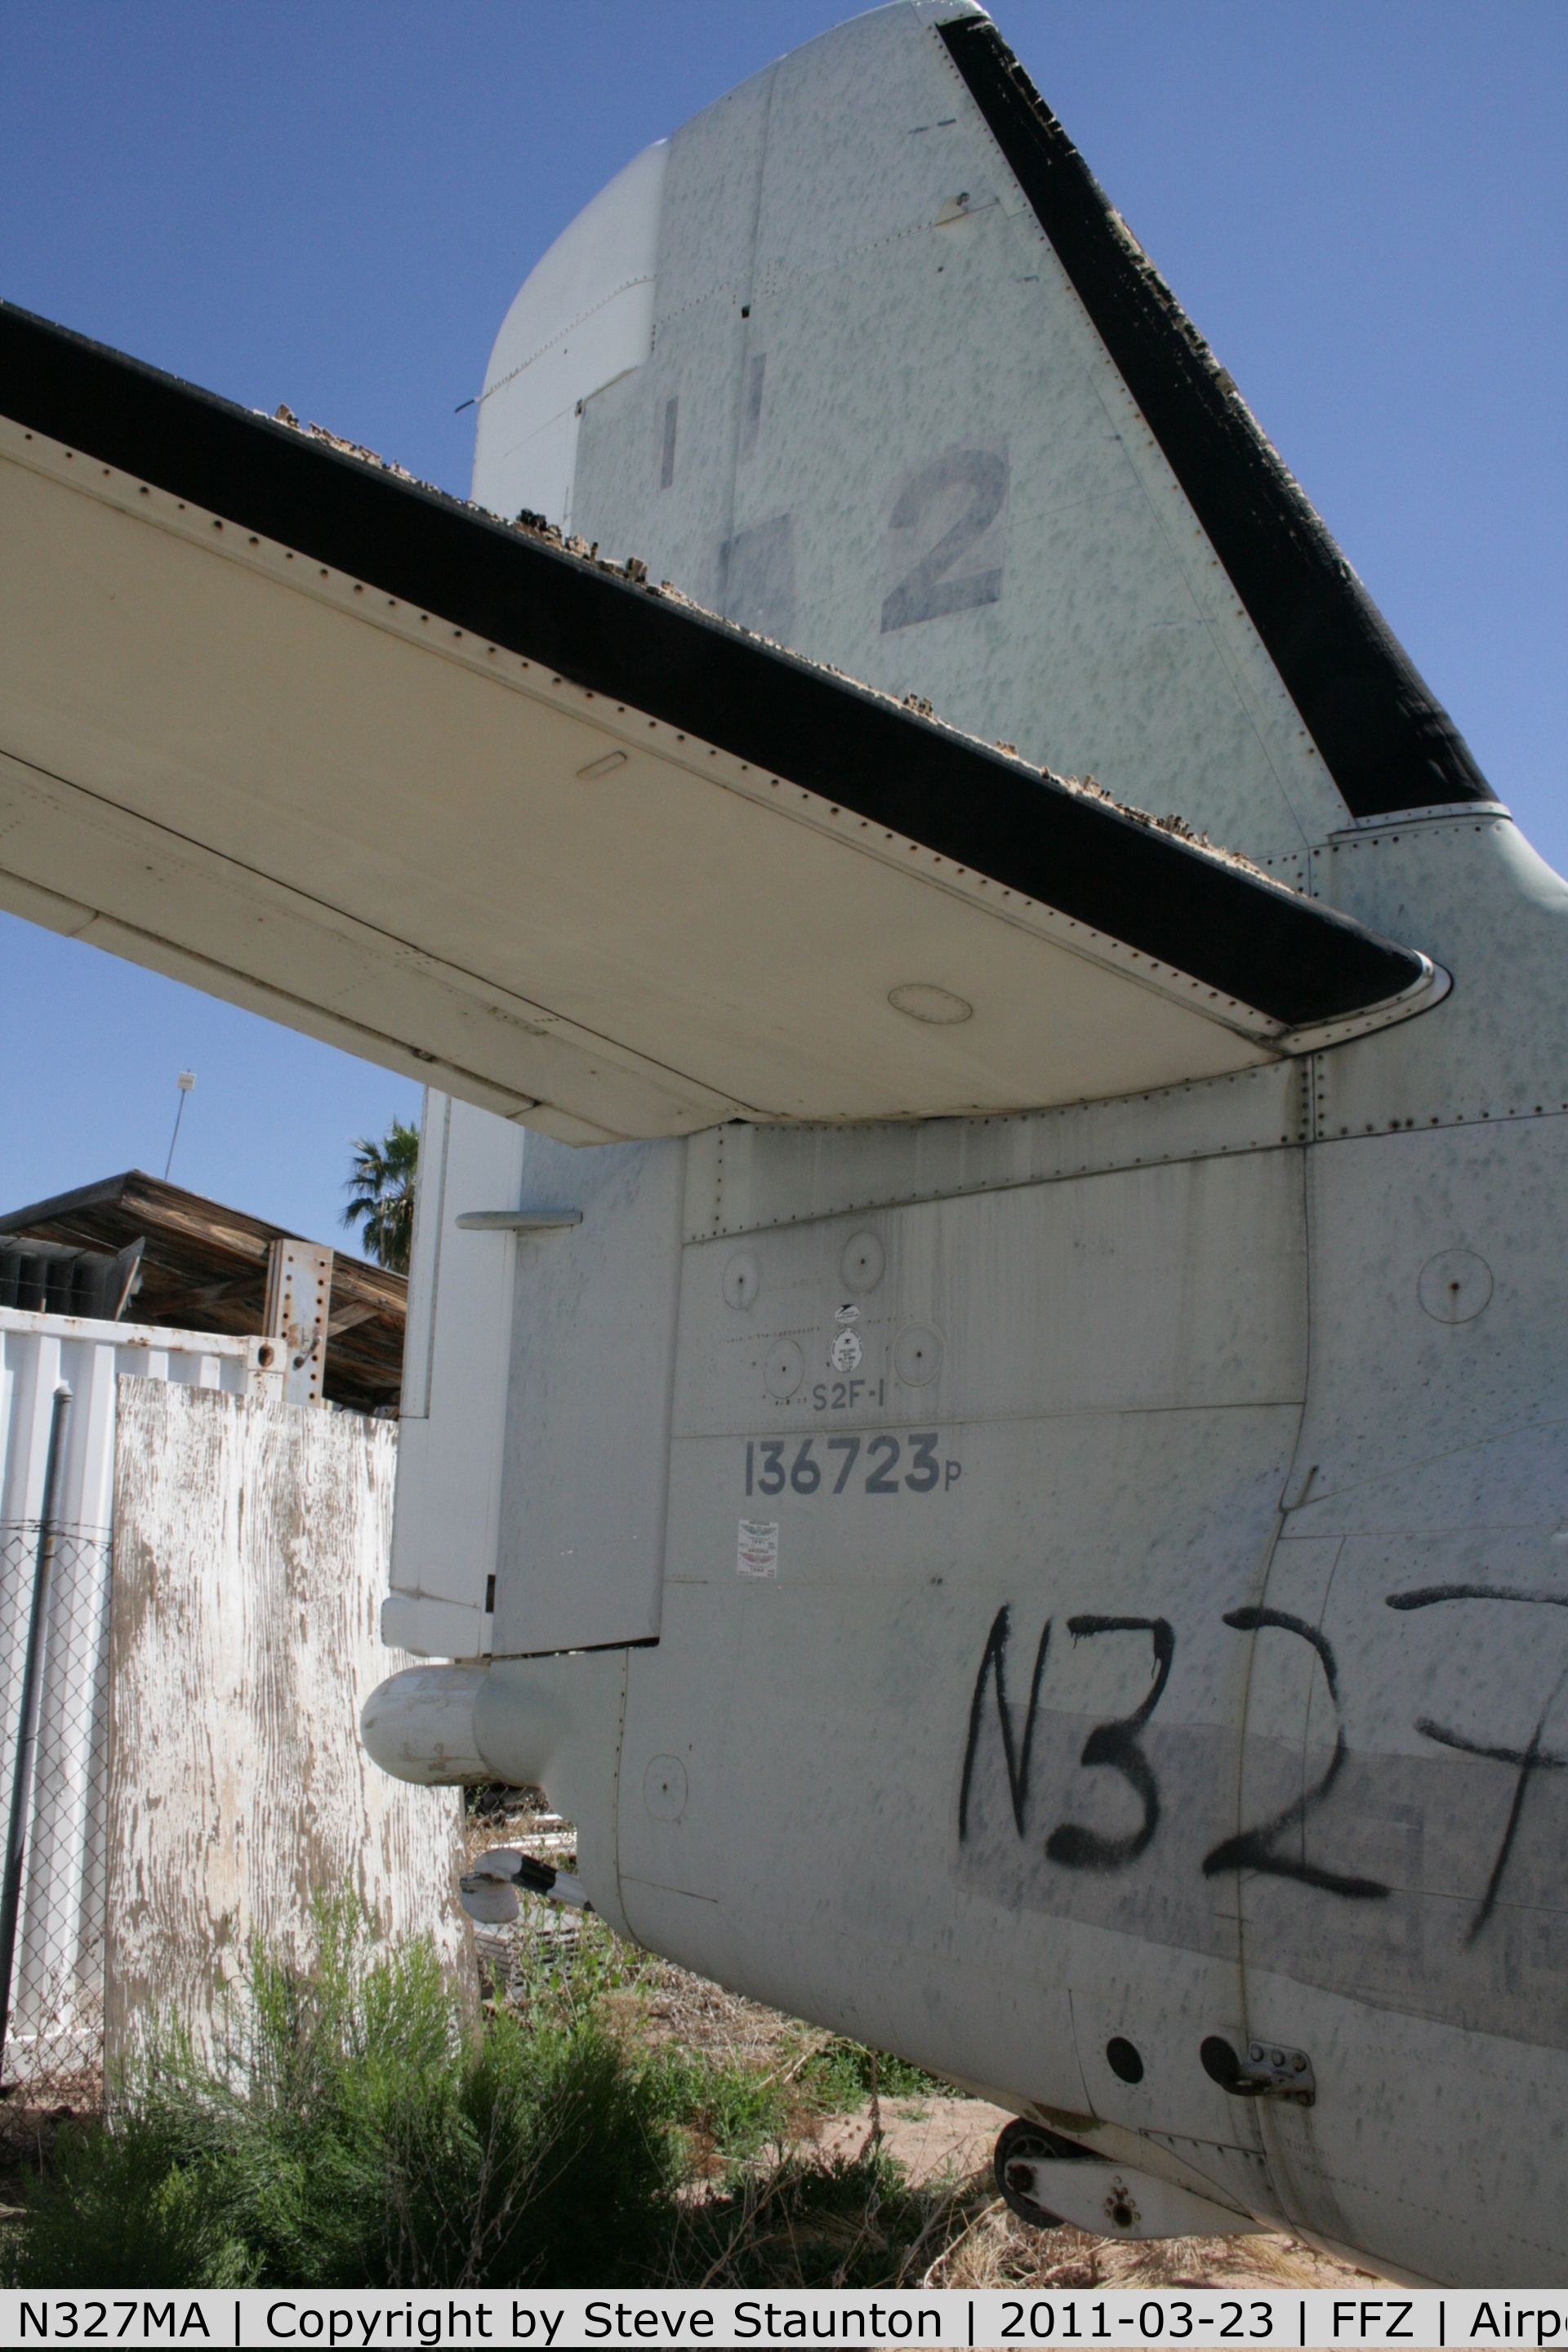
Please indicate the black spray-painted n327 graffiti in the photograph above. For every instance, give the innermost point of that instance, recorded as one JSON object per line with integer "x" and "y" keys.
{"x": 1526, "y": 1760}
{"x": 1117, "y": 1745}
{"x": 1114, "y": 1744}
{"x": 1255, "y": 1849}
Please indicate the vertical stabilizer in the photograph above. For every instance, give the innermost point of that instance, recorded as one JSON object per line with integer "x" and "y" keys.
{"x": 912, "y": 401}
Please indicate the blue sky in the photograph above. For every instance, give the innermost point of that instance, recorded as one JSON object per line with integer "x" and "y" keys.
{"x": 1364, "y": 207}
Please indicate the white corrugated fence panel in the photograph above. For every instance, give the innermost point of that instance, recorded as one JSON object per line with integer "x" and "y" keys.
{"x": 56, "y": 1993}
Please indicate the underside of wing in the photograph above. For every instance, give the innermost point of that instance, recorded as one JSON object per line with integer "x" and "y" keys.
{"x": 277, "y": 720}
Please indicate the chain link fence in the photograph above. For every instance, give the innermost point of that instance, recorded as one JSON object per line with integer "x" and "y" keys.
{"x": 53, "y": 2053}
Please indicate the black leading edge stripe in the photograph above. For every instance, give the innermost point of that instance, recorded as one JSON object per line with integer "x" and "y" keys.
{"x": 1387, "y": 741}
{"x": 1287, "y": 957}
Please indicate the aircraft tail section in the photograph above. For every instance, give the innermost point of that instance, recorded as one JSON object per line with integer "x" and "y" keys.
{"x": 906, "y": 396}
{"x": 1388, "y": 744}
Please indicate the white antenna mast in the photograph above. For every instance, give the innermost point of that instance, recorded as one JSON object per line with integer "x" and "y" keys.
{"x": 185, "y": 1081}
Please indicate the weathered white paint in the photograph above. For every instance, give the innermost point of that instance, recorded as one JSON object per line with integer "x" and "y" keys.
{"x": 454, "y": 1408}
{"x": 833, "y": 323}
{"x": 55, "y": 2024}
{"x": 1285, "y": 1342}
{"x": 38, "y": 1351}
{"x": 580, "y": 1560}
{"x": 520, "y": 1466}
{"x": 251, "y": 1545}
{"x": 1223, "y": 1366}
{"x": 419, "y": 1725}
{"x": 581, "y": 946}
{"x": 597, "y": 963}
{"x": 583, "y": 316}
{"x": 296, "y": 1315}
{"x": 1113, "y": 2201}
{"x": 1235, "y": 1377}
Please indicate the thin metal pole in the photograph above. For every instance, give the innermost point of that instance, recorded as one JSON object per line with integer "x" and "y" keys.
{"x": 175, "y": 1136}
{"x": 32, "y": 1693}
{"x": 185, "y": 1081}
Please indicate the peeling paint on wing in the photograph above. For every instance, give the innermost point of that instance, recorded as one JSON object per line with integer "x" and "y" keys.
{"x": 756, "y": 592}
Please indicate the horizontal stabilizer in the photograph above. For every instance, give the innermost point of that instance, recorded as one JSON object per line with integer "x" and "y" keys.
{"x": 279, "y": 721}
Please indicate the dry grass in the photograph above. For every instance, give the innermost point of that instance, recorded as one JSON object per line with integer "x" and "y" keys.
{"x": 1003, "y": 2252}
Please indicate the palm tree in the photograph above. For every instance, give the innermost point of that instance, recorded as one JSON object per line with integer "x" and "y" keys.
{"x": 382, "y": 1186}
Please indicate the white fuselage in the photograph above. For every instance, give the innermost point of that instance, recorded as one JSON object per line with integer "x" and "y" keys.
{"x": 1271, "y": 1366}
{"x": 1223, "y": 1428}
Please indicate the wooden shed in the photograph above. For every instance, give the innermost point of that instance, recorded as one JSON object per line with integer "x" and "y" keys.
{"x": 203, "y": 1267}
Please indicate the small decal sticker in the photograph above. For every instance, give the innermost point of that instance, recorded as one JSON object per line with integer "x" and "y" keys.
{"x": 757, "y": 1551}
{"x": 847, "y": 1313}
{"x": 846, "y": 1351}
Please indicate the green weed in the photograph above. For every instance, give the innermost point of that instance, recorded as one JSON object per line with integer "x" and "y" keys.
{"x": 356, "y": 2125}
{"x": 355, "y": 2128}
{"x": 843, "y": 2074}
{"x": 796, "y": 2223}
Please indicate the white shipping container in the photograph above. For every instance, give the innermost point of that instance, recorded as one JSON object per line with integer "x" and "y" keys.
{"x": 56, "y": 1991}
